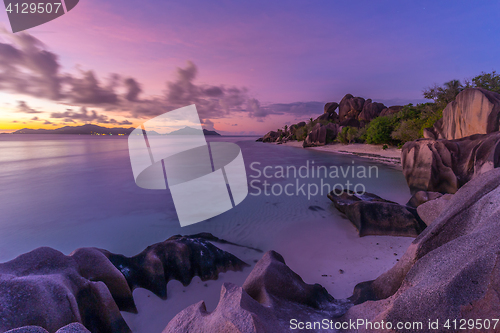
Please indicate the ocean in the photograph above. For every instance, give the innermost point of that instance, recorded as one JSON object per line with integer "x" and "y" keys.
{"x": 71, "y": 191}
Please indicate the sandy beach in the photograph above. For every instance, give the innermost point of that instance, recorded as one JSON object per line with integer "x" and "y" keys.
{"x": 322, "y": 246}
{"x": 390, "y": 156}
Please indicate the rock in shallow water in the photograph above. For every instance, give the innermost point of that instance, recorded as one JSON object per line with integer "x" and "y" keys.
{"x": 373, "y": 215}
{"x": 71, "y": 328}
{"x": 321, "y": 134}
{"x": 178, "y": 258}
{"x": 48, "y": 289}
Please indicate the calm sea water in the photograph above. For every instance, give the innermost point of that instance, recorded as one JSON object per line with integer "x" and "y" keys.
{"x": 68, "y": 192}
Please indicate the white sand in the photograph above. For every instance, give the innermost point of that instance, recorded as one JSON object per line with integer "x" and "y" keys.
{"x": 322, "y": 246}
{"x": 391, "y": 155}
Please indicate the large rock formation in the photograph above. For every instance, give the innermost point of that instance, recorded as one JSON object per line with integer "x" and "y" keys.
{"x": 295, "y": 127}
{"x": 321, "y": 134}
{"x": 178, "y": 258}
{"x": 350, "y": 107}
{"x": 474, "y": 111}
{"x": 271, "y": 136}
{"x": 451, "y": 271}
{"x": 330, "y": 107}
{"x": 431, "y": 209}
{"x": 370, "y": 110}
{"x": 446, "y": 165}
{"x": 48, "y": 289}
{"x": 353, "y": 112}
{"x": 391, "y": 110}
{"x": 422, "y": 197}
{"x": 271, "y": 296}
{"x": 373, "y": 215}
{"x": 329, "y": 113}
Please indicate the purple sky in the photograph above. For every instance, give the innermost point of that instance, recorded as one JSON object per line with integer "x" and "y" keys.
{"x": 257, "y": 53}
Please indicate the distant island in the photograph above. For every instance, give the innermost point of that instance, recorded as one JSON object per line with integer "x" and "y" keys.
{"x": 90, "y": 129}
{"x": 192, "y": 131}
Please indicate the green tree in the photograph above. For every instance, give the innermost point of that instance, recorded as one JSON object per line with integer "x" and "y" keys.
{"x": 444, "y": 94}
{"x": 488, "y": 81}
{"x": 407, "y": 130}
{"x": 379, "y": 130}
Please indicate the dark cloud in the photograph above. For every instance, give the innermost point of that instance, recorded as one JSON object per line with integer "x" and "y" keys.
{"x": 34, "y": 118}
{"x": 133, "y": 89}
{"x": 46, "y": 122}
{"x": 211, "y": 101}
{"x": 83, "y": 115}
{"x": 27, "y": 68}
{"x": 254, "y": 109}
{"x": 88, "y": 90}
{"x": 23, "y": 107}
{"x": 124, "y": 122}
{"x": 298, "y": 108}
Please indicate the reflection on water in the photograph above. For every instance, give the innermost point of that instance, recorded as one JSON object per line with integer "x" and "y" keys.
{"x": 69, "y": 191}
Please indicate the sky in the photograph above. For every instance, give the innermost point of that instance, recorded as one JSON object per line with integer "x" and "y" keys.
{"x": 249, "y": 66}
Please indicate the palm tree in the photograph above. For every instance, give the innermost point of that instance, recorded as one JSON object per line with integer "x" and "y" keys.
{"x": 451, "y": 89}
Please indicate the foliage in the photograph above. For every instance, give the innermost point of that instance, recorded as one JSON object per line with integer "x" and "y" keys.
{"x": 429, "y": 121}
{"x": 407, "y": 130}
{"x": 379, "y": 130}
{"x": 301, "y": 133}
{"x": 351, "y": 135}
{"x": 442, "y": 95}
{"x": 488, "y": 81}
{"x": 446, "y": 93}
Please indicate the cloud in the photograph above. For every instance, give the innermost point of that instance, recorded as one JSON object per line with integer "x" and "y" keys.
{"x": 133, "y": 89}
{"x": 34, "y": 118}
{"x": 46, "y": 122}
{"x": 124, "y": 122}
{"x": 27, "y": 67}
{"x": 297, "y": 108}
{"x": 253, "y": 106}
{"x": 88, "y": 90}
{"x": 23, "y": 107}
{"x": 83, "y": 115}
{"x": 208, "y": 124}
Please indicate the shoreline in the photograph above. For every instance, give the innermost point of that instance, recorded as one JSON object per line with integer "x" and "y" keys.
{"x": 390, "y": 156}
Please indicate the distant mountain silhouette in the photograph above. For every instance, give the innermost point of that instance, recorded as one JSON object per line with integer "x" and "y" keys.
{"x": 95, "y": 129}
{"x": 84, "y": 129}
{"x": 192, "y": 131}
